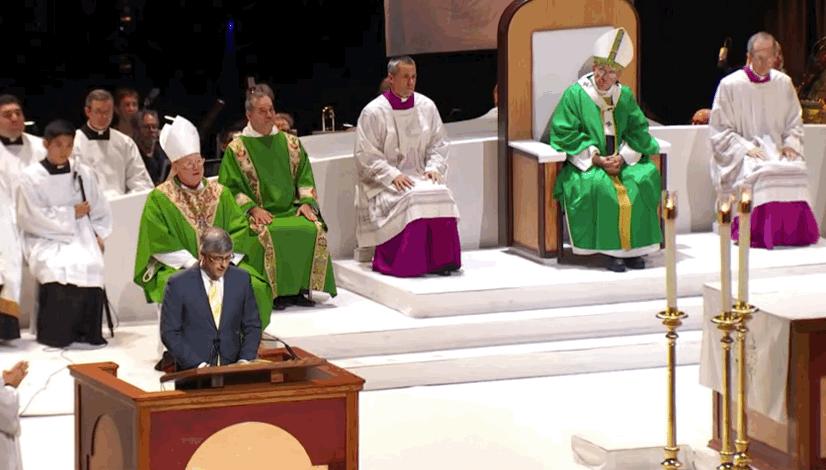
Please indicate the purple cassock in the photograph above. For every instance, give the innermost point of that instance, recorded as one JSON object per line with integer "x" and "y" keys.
{"x": 427, "y": 245}
{"x": 779, "y": 223}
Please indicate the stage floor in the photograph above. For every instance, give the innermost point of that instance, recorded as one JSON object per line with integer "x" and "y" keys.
{"x": 497, "y": 280}
{"x": 515, "y": 424}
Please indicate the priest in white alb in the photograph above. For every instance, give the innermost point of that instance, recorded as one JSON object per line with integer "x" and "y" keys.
{"x": 113, "y": 155}
{"x": 17, "y": 147}
{"x": 65, "y": 219}
{"x": 756, "y": 134}
{"x": 404, "y": 209}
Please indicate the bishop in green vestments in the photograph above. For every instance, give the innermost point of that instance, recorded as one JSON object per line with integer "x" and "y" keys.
{"x": 176, "y": 213}
{"x": 270, "y": 175}
{"x": 609, "y": 188}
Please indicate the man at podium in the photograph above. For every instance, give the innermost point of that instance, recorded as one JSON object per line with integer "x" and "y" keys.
{"x": 209, "y": 316}
{"x": 609, "y": 187}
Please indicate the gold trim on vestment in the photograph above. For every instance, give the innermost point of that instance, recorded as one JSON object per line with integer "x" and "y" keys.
{"x": 10, "y": 308}
{"x": 265, "y": 239}
{"x": 247, "y": 168}
{"x": 197, "y": 206}
{"x": 294, "y": 148}
{"x": 624, "y": 213}
{"x": 321, "y": 256}
{"x": 307, "y": 191}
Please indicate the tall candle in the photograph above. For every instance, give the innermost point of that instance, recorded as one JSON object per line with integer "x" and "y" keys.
{"x": 744, "y": 240}
{"x": 724, "y": 222}
{"x": 669, "y": 212}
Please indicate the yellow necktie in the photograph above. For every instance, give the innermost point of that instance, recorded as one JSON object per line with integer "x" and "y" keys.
{"x": 215, "y": 302}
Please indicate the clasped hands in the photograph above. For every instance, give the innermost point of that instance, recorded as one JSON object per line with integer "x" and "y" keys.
{"x": 787, "y": 153}
{"x": 612, "y": 164}
{"x": 404, "y": 182}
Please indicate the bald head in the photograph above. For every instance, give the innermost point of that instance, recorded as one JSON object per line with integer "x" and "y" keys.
{"x": 215, "y": 240}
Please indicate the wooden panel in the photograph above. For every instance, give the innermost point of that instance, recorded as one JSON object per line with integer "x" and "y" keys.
{"x": 552, "y": 223}
{"x": 525, "y": 200}
{"x": 541, "y": 15}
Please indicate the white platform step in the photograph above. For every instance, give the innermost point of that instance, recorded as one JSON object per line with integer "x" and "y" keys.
{"x": 520, "y": 361}
{"x": 497, "y": 281}
{"x": 360, "y": 327}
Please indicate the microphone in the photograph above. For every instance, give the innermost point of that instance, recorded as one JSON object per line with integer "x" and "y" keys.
{"x": 290, "y": 350}
{"x": 722, "y": 56}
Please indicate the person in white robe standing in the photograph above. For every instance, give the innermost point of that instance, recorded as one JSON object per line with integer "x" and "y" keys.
{"x": 17, "y": 150}
{"x": 10, "y": 458}
{"x": 403, "y": 205}
{"x": 65, "y": 217}
{"x": 756, "y": 132}
{"x": 113, "y": 155}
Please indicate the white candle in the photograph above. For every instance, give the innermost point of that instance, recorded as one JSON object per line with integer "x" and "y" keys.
{"x": 669, "y": 212}
{"x": 724, "y": 221}
{"x": 744, "y": 240}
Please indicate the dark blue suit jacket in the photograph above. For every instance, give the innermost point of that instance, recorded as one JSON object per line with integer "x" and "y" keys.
{"x": 188, "y": 330}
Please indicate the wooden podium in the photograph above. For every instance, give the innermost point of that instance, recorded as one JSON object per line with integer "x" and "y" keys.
{"x": 278, "y": 413}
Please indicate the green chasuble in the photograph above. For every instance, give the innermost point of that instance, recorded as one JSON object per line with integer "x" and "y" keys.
{"x": 172, "y": 220}
{"x": 273, "y": 172}
{"x": 606, "y": 213}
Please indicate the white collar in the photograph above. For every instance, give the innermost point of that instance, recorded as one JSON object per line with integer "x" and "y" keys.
{"x": 250, "y": 132}
{"x": 208, "y": 280}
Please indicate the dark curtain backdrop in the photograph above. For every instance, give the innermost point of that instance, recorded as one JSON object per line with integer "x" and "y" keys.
{"x": 331, "y": 52}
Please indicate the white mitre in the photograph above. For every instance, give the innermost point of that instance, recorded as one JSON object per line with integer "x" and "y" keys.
{"x": 614, "y": 48}
{"x": 180, "y": 139}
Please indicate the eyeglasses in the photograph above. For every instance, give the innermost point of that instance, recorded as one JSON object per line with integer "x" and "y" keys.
{"x": 192, "y": 164}
{"x": 215, "y": 259}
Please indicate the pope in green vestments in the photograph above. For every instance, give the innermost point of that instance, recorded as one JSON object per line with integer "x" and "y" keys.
{"x": 270, "y": 175}
{"x": 176, "y": 213}
{"x": 609, "y": 187}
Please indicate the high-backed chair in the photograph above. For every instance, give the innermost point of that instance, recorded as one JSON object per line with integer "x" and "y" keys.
{"x": 544, "y": 47}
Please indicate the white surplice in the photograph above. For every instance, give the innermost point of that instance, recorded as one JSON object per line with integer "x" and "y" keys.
{"x": 59, "y": 247}
{"x": 767, "y": 115}
{"x": 9, "y": 428}
{"x": 390, "y": 143}
{"x": 116, "y": 161}
{"x": 13, "y": 159}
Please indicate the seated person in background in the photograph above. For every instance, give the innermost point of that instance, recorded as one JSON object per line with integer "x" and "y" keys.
{"x": 209, "y": 316}
{"x": 126, "y": 107}
{"x": 756, "y": 133}
{"x": 701, "y": 117}
{"x": 156, "y": 162}
{"x": 113, "y": 156}
{"x": 403, "y": 206}
{"x": 270, "y": 175}
{"x": 64, "y": 218}
{"x": 609, "y": 188}
{"x": 10, "y": 416}
{"x": 284, "y": 122}
{"x": 178, "y": 212}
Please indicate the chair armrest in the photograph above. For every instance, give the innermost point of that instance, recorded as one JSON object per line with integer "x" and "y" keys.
{"x": 543, "y": 153}
{"x": 665, "y": 146}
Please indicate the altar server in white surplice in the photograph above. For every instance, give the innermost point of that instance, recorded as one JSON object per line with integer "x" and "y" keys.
{"x": 17, "y": 147}
{"x": 403, "y": 206}
{"x": 64, "y": 217}
{"x": 10, "y": 416}
{"x": 756, "y": 134}
{"x": 110, "y": 153}
{"x": 17, "y": 150}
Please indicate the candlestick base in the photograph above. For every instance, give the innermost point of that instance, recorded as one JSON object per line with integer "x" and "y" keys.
{"x": 672, "y": 317}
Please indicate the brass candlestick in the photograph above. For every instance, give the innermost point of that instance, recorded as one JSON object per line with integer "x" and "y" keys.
{"x": 743, "y": 312}
{"x": 726, "y": 323}
{"x": 672, "y": 319}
